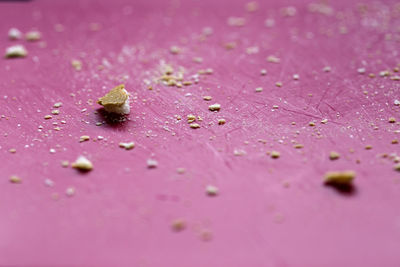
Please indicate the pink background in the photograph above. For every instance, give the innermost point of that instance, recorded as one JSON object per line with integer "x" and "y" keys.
{"x": 122, "y": 211}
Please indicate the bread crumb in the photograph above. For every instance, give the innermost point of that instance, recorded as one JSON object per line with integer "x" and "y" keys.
{"x": 84, "y": 138}
{"x": 397, "y": 167}
{"x": 221, "y": 121}
{"x": 278, "y": 84}
{"x": 211, "y": 190}
{"x": 180, "y": 170}
{"x": 327, "y": 69}
{"x": 339, "y": 177}
{"x": 116, "y": 100}
{"x": 178, "y": 225}
{"x": 275, "y": 154}
{"x": 273, "y": 59}
{"x": 194, "y": 125}
{"x": 334, "y": 155}
{"x": 311, "y": 123}
{"x": 263, "y": 72}
{"x": 368, "y": 147}
{"x": 298, "y": 146}
{"x": 152, "y": 163}
{"x": 259, "y": 89}
{"x": 65, "y": 163}
{"x": 395, "y": 141}
{"x": 207, "y": 98}
{"x": 55, "y": 112}
{"x": 392, "y": 120}
{"x": 12, "y": 150}
{"x": 324, "y": 121}
{"x": 15, "y": 179}
{"x": 191, "y": 118}
{"x": 76, "y": 64}
{"x": 47, "y": 117}
{"x": 49, "y": 182}
{"x": 33, "y": 36}
{"x": 214, "y": 107}
{"x": 16, "y": 51}
{"x": 296, "y": 77}
{"x": 82, "y": 164}
{"x": 127, "y": 146}
{"x": 70, "y": 191}
{"x": 14, "y": 34}
{"x": 57, "y": 105}
{"x": 174, "y": 50}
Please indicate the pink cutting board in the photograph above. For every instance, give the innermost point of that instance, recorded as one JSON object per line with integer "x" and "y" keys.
{"x": 269, "y": 212}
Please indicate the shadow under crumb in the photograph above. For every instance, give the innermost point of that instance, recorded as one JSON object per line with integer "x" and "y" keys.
{"x": 345, "y": 189}
{"x": 111, "y": 119}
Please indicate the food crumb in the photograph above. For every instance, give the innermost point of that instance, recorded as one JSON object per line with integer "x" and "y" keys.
{"x": 14, "y": 34}
{"x": 76, "y": 64}
{"x": 296, "y": 77}
{"x": 191, "y": 118}
{"x": 33, "y": 36}
{"x": 180, "y": 170}
{"x": 174, "y": 50}
{"x": 324, "y": 121}
{"x": 178, "y": 225}
{"x": 55, "y": 112}
{"x": 392, "y": 120}
{"x": 275, "y": 154}
{"x": 368, "y": 147}
{"x": 273, "y": 59}
{"x": 116, "y": 100}
{"x": 57, "y": 105}
{"x": 259, "y": 89}
{"x": 127, "y": 146}
{"x": 211, "y": 190}
{"x": 152, "y": 163}
{"x": 12, "y": 150}
{"x": 16, "y": 51}
{"x": 397, "y": 167}
{"x": 339, "y": 178}
{"x": 206, "y": 235}
{"x": 15, "y": 179}
{"x": 214, "y": 107}
{"x": 48, "y": 117}
{"x": 334, "y": 155}
{"x": 82, "y": 164}
{"x": 263, "y": 72}
{"x": 207, "y": 98}
{"x": 70, "y": 191}
{"x": 221, "y": 121}
{"x": 311, "y": 123}
{"x": 84, "y": 138}
{"x": 65, "y": 163}
{"x": 194, "y": 125}
{"x": 49, "y": 182}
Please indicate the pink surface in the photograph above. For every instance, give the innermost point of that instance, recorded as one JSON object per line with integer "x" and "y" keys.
{"x": 269, "y": 212}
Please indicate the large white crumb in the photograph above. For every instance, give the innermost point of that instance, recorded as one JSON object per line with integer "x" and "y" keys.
{"x": 82, "y": 163}
{"x": 16, "y": 51}
{"x": 127, "y": 146}
{"x": 14, "y": 34}
{"x": 152, "y": 163}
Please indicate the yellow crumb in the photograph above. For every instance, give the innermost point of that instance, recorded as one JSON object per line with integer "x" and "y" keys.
{"x": 127, "y": 146}
{"x": 194, "y": 125}
{"x": 221, "y": 121}
{"x": 339, "y": 177}
{"x": 178, "y": 225}
{"x": 82, "y": 163}
{"x": 275, "y": 154}
{"x": 214, "y": 107}
{"x": 15, "y": 179}
{"x": 84, "y": 138}
{"x": 334, "y": 155}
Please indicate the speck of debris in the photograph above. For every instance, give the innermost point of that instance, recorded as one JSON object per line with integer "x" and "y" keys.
{"x": 296, "y": 77}
{"x": 180, "y": 170}
{"x": 263, "y": 72}
{"x": 152, "y": 163}
{"x": 324, "y": 121}
{"x": 211, "y": 190}
{"x": 12, "y": 150}
{"x": 311, "y": 123}
{"x": 275, "y": 106}
{"x": 339, "y": 178}
{"x": 221, "y": 121}
{"x": 259, "y": 89}
{"x": 334, "y": 155}
{"x": 48, "y": 117}
{"x": 127, "y": 146}
{"x": 76, "y": 64}
{"x": 178, "y": 225}
{"x": 327, "y": 69}
{"x": 82, "y": 164}
{"x": 16, "y": 51}
{"x": 273, "y": 59}
{"x": 207, "y": 98}
{"x": 392, "y": 120}
{"x": 275, "y": 154}
{"x": 397, "y": 167}
{"x": 55, "y": 112}
{"x": 15, "y": 179}
{"x": 278, "y": 84}
{"x": 191, "y": 118}
{"x": 174, "y": 50}
{"x": 368, "y": 147}
{"x": 52, "y": 150}
{"x": 49, "y": 182}
{"x": 298, "y": 146}
{"x": 65, "y": 163}
{"x": 206, "y": 235}
{"x": 84, "y": 138}
{"x": 70, "y": 191}
{"x": 194, "y": 125}
{"x": 14, "y": 34}
{"x": 214, "y": 107}
{"x": 32, "y": 36}
{"x": 395, "y": 141}
{"x": 361, "y": 70}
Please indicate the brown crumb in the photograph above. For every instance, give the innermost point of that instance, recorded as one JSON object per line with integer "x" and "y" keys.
{"x": 334, "y": 155}
{"x": 221, "y": 121}
{"x": 392, "y": 120}
{"x": 178, "y": 225}
{"x": 194, "y": 125}
{"x": 298, "y": 146}
{"x": 368, "y": 147}
{"x": 275, "y": 154}
{"x": 339, "y": 177}
{"x": 84, "y": 138}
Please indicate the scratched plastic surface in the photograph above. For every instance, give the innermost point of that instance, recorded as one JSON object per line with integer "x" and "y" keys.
{"x": 269, "y": 212}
